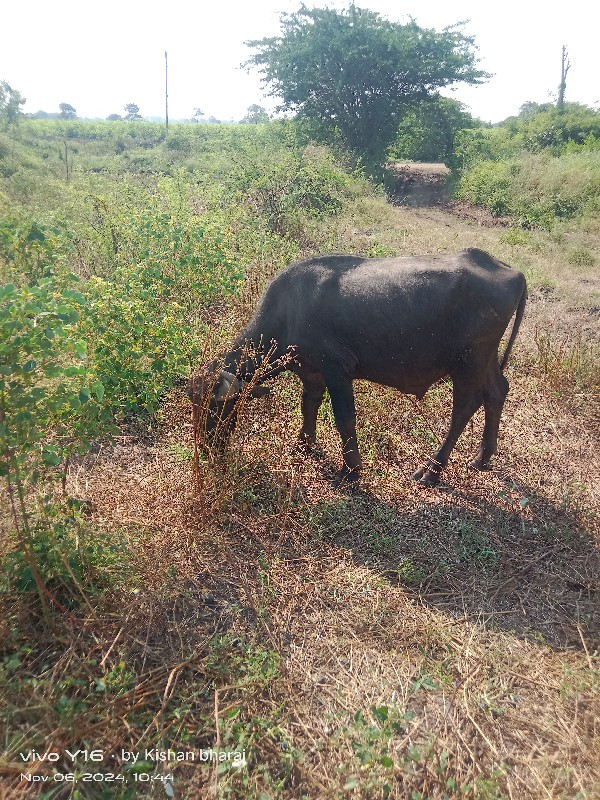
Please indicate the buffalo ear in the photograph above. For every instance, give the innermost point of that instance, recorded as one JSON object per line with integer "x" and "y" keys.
{"x": 228, "y": 386}
{"x": 260, "y": 391}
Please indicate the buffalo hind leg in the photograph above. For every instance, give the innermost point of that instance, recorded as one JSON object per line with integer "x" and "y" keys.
{"x": 494, "y": 395}
{"x": 342, "y": 402}
{"x": 465, "y": 402}
{"x": 313, "y": 391}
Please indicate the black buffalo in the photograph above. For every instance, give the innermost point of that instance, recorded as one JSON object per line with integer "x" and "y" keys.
{"x": 399, "y": 322}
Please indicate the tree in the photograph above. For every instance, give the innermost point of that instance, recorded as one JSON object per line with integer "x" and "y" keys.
{"x": 428, "y": 130}
{"x": 67, "y": 111}
{"x": 255, "y": 114}
{"x": 44, "y": 115}
{"x": 354, "y": 73}
{"x": 10, "y": 104}
{"x": 133, "y": 112}
{"x": 530, "y": 109}
{"x": 10, "y": 110}
{"x": 114, "y": 118}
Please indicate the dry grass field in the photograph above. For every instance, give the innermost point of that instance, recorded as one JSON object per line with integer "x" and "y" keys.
{"x": 377, "y": 641}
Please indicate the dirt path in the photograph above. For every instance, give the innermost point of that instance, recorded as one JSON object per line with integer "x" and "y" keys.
{"x": 418, "y": 184}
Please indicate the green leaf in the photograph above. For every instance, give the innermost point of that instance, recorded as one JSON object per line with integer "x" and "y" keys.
{"x": 72, "y": 294}
{"x": 140, "y": 766}
{"x": 386, "y": 761}
{"x": 380, "y": 713}
{"x": 98, "y": 389}
{"x": 51, "y": 456}
{"x": 13, "y": 662}
{"x": 84, "y": 394}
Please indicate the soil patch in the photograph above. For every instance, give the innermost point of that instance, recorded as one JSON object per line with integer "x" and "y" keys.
{"x": 476, "y": 214}
{"x": 418, "y": 184}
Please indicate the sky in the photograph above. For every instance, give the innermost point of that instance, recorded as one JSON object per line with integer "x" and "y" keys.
{"x": 100, "y": 56}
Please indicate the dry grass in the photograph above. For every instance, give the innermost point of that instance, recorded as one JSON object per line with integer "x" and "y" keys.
{"x": 429, "y": 643}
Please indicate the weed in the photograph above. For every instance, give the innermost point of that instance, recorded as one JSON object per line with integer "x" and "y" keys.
{"x": 474, "y": 546}
{"x": 515, "y": 236}
{"x": 567, "y": 363}
{"x": 581, "y": 257}
{"x": 181, "y": 452}
{"x": 74, "y": 560}
{"x": 409, "y": 573}
{"x": 381, "y": 251}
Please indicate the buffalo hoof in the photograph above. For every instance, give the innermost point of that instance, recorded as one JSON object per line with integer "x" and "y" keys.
{"x": 426, "y": 477}
{"x": 304, "y": 444}
{"x": 479, "y": 465}
{"x": 346, "y": 476}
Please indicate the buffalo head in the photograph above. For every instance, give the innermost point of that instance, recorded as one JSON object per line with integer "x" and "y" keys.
{"x": 215, "y": 395}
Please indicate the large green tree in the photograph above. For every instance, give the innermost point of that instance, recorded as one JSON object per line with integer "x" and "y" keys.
{"x": 355, "y": 73}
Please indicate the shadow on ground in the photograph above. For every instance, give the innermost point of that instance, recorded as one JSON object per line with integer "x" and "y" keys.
{"x": 534, "y": 572}
{"x": 524, "y": 567}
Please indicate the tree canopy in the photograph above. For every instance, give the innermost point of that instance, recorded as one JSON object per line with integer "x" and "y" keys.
{"x": 255, "y": 114}
{"x": 67, "y": 111}
{"x": 428, "y": 131}
{"x": 133, "y": 112}
{"x": 356, "y": 74}
{"x": 10, "y": 104}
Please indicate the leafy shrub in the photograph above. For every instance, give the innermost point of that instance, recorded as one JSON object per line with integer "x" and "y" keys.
{"x": 293, "y": 186}
{"x": 429, "y": 130}
{"x": 575, "y": 129}
{"x": 31, "y": 249}
{"x": 535, "y": 189}
{"x": 105, "y": 283}
{"x": 71, "y": 558}
{"x": 51, "y": 404}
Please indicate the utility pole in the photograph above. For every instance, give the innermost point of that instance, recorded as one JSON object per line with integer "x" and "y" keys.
{"x": 166, "y": 96}
{"x": 566, "y": 65}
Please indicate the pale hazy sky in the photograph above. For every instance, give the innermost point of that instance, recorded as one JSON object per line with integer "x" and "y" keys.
{"x": 99, "y": 56}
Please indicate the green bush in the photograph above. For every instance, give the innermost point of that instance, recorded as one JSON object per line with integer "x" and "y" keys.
{"x": 51, "y": 403}
{"x": 546, "y": 129}
{"x": 535, "y": 189}
{"x": 105, "y": 282}
{"x": 429, "y": 131}
{"x": 71, "y": 558}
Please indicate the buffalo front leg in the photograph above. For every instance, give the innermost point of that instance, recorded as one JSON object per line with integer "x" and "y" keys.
{"x": 342, "y": 402}
{"x": 465, "y": 402}
{"x": 494, "y": 395}
{"x": 313, "y": 391}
